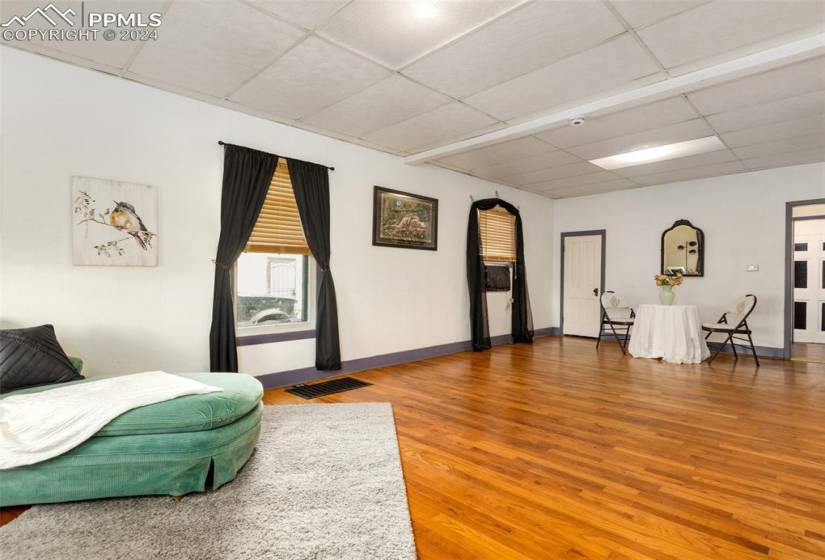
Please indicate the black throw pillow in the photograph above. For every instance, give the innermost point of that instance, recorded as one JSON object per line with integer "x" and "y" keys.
{"x": 32, "y": 356}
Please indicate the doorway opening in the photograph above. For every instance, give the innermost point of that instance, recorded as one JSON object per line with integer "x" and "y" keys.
{"x": 582, "y": 282}
{"x": 805, "y": 281}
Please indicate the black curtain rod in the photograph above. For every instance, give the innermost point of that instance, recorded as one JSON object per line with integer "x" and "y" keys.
{"x": 222, "y": 143}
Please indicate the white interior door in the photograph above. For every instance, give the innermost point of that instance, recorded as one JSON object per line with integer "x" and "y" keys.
{"x": 809, "y": 281}
{"x": 582, "y": 284}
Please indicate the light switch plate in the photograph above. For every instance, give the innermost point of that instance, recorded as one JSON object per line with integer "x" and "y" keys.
{"x": 752, "y": 268}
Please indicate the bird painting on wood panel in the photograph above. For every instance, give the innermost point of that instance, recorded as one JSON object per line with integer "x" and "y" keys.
{"x": 124, "y": 234}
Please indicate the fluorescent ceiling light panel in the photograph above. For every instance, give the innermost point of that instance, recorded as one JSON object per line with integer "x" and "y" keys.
{"x": 660, "y": 153}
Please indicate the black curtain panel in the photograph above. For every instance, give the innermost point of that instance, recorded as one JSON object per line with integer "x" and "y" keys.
{"x": 522, "y": 317}
{"x": 310, "y": 182}
{"x": 247, "y": 175}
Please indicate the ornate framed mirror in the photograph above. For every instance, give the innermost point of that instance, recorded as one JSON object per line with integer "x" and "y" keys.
{"x": 683, "y": 249}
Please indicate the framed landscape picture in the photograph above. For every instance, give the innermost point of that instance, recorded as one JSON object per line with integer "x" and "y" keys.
{"x": 401, "y": 219}
{"x": 114, "y": 223}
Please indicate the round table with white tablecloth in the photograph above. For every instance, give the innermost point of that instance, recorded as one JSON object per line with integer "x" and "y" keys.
{"x": 670, "y": 332}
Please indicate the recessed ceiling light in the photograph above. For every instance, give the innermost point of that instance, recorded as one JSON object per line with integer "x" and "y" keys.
{"x": 660, "y": 153}
{"x": 424, "y": 9}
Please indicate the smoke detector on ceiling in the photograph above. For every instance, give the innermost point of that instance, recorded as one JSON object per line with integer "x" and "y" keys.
{"x": 577, "y": 121}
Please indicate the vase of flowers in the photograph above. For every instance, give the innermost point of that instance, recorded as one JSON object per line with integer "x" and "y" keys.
{"x": 666, "y": 283}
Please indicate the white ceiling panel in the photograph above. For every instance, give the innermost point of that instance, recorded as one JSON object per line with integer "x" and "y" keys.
{"x": 607, "y": 67}
{"x": 584, "y": 190}
{"x": 306, "y": 13}
{"x": 116, "y": 54}
{"x": 640, "y": 13}
{"x": 553, "y": 173}
{"x": 781, "y": 83}
{"x": 679, "y": 132}
{"x": 496, "y": 154}
{"x": 388, "y": 102}
{"x": 637, "y": 119}
{"x": 792, "y": 108}
{"x": 578, "y": 181}
{"x": 715, "y": 28}
{"x": 688, "y": 174}
{"x": 699, "y": 160}
{"x": 213, "y": 47}
{"x": 789, "y": 158}
{"x": 777, "y": 131}
{"x": 448, "y": 122}
{"x": 396, "y": 33}
{"x": 308, "y": 78}
{"x": 524, "y": 40}
{"x": 795, "y": 144}
{"x": 519, "y": 166}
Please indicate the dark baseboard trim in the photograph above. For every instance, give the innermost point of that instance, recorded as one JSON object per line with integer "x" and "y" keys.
{"x": 761, "y": 351}
{"x": 251, "y": 339}
{"x": 306, "y": 375}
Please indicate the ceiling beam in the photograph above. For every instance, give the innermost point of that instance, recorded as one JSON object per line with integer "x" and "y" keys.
{"x": 751, "y": 64}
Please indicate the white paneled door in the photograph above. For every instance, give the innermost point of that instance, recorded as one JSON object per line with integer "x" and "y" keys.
{"x": 809, "y": 281}
{"x": 582, "y": 284}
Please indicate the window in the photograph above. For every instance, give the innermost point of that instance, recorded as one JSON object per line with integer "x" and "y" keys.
{"x": 800, "y": 315}
{"x": 800, "y": 274}
{"x": 822, "y": 318}
{"x": 800, "y": 246}
{"x": 272, "y": 276}
{"x": 498, "y": 235}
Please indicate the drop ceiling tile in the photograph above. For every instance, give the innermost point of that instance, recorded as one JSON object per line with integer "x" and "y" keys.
{"x": 792, "y": 108}
{"x": 796, "y": 144}
{"x": 308, "y": 78}
{"x": 679, "y": 132}
{"x": 579, "y": 180}
{"x": 777, "y": 131}
{"x": 637, "y": 119}
{"x": 689, "y": 174}
{"x": 699, "y": 160}
{"x": 639, "y": 13}
{"x": 716, "y": 28}
{"x": 552, "y": 173}
{"x": 115, "y": 54}
{"x": 446, "y": 123}
{"x": 388, "y": 102}
{"x": 789, "y": 158}
{"x": 585, "y": 190}
{"x": 396, "y": 33}
{"x": 213, "y": 47}
{"x": 528, "y": 38}
{"x": 787, "y": 81}
{"x": 497, "y": 154}
{"x": 607, "y": 67}
{"x": 520, "y": 166}
{"x": 306, "y": 13}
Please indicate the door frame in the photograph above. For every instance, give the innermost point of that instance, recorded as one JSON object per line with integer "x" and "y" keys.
{"x": 789, "y": 221}
{"x": 565, "y": 235}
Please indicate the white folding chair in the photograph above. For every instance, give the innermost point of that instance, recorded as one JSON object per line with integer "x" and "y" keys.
{"x": 732, "y": 323}
{"x": 618, "y": 317}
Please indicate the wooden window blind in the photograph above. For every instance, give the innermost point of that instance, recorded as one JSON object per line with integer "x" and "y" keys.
{"x": 498, "y": 235}
{"x": 278, "y": 229}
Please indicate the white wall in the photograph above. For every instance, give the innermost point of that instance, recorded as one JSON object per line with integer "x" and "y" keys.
{"x": 743, "y": 219}
{"x": 59, "y": 121}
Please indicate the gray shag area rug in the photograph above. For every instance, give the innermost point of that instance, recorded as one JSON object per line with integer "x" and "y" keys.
{"x": 324, "y": 483}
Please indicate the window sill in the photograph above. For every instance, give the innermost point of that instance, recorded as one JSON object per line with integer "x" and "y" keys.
{"x": 267, "y": 338}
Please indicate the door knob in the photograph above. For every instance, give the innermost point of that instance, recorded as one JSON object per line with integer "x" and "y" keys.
{"x": 596, "y": 292}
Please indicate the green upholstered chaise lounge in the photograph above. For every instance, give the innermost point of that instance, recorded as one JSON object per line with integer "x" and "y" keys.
{"x": 174, "y": 447}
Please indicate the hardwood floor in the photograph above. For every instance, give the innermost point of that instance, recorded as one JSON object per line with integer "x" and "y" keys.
{"x": 557, "y": 451}
{"x": 808, "y": 352}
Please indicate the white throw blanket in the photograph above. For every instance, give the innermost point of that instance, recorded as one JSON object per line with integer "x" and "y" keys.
{"x": 38, "y": 426}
